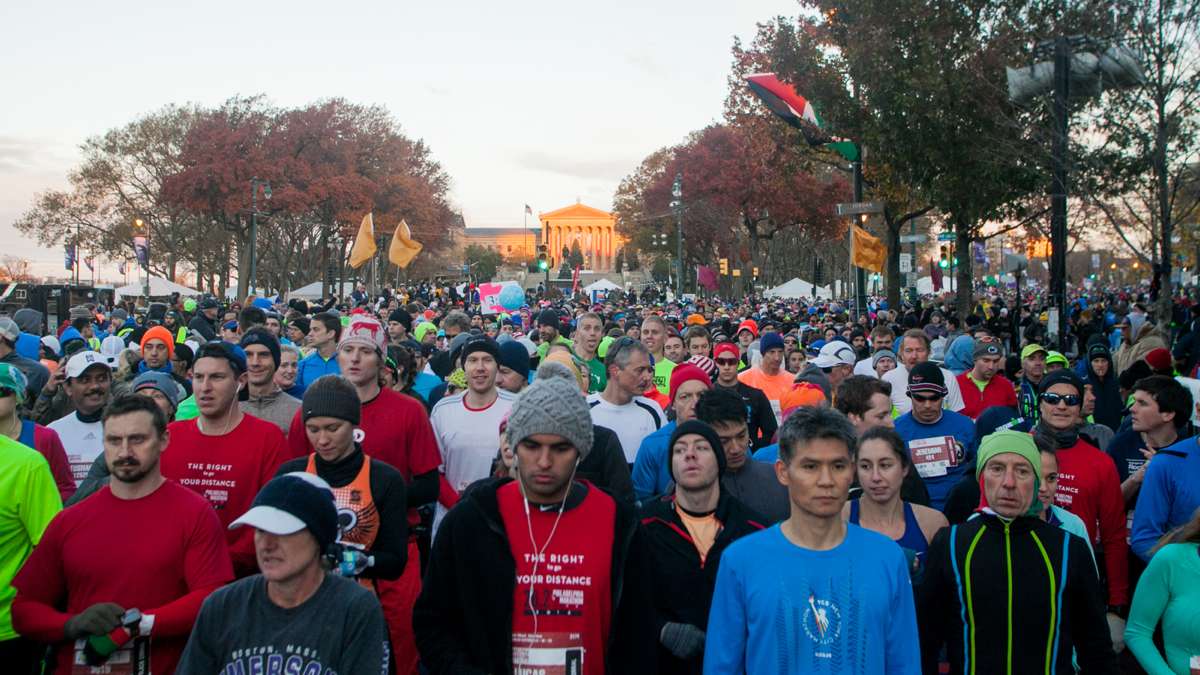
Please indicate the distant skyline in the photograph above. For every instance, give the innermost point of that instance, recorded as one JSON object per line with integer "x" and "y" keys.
{"x": 541, "y": 104}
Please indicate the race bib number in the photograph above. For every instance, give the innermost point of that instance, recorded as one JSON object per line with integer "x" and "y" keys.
{"x": 933, "y": 457}
{"x": 547, "y": 653}
{"x": 132, "y": 659}
{"x": 1194, "y": 665}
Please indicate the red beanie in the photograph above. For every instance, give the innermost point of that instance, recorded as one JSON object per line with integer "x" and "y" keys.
{"x": 1159, "y": 361}
{"x": 684, "y": 372}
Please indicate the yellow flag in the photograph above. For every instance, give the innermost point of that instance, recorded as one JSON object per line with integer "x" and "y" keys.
{"x": 364, "y": 243}
{"x": 869, "y": 252}
{"x": 403, "y": 248}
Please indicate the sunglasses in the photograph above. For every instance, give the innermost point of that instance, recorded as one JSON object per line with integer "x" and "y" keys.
{"x": 925, "y": 398}
{"x": 727, "y": 362}
{"x": 617, "y": 346}
{"x": 5, "y": 393}
{"x": 1055, "y": 399}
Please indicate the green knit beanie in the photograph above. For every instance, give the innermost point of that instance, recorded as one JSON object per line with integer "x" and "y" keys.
{"x": 1016, "y": 442}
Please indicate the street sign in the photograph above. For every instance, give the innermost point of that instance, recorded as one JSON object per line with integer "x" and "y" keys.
{"x": 912, "y": 279}
{"x": 1095, "y": 261}
{"x": 905, "y": 263}
{"x": 947, "y": 236}
{"x": 855, "y": 208}
{"x": 913, "y": 238}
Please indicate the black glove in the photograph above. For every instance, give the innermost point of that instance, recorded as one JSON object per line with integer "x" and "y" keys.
{"x": 683, "y": 640}
{"x": 98, "y": 619}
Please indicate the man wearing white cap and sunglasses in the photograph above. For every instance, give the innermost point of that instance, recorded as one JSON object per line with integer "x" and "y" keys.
{"x": 265, "y": 623}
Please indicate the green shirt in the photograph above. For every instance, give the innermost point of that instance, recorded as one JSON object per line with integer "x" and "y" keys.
{"x": 1169, "y": 590}
{"x": 980, "y": 385}
{"x": 597, "y": 375}
{"x": 544, "y": 347}
{"x": 187, "y": 410}
{"x": 662, "y": 375}
{"x": 29, "y": 500}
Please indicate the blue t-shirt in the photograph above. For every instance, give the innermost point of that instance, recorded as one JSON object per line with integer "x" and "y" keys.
{"x": 779, "y": 608}
{"x": 652, "y": 468}
{"x": 424, "y": 383}
{"x": 767, "y": 453}
{"x": 939, "y": 478}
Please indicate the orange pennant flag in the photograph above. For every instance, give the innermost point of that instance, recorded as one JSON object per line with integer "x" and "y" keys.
{"x": 868, "y": 252}
{"x": 403, "y": 248}
{"x": 364, "y": 243}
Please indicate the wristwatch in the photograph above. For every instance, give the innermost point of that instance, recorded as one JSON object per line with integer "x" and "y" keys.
{"x": 1120, "y": 610}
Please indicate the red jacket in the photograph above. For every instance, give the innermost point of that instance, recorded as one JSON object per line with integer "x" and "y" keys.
{"x": 999, "y": 391}
{"x": 1089, "y": 487}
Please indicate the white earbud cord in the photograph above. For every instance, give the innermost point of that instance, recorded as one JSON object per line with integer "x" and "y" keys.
{"x": 533, "y": 543}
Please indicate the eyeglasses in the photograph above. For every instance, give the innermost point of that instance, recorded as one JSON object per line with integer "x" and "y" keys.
{"x": 1055, "y": 399}
{"x": 727, "y": 362}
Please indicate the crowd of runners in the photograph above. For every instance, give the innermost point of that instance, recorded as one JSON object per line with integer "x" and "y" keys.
{"x": 407, "y": 482}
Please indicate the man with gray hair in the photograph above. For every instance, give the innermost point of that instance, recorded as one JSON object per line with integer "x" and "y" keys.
{"x": 541, "y": 570}
{"x": 621, "y": 407}
{"x": 809, "y": 594}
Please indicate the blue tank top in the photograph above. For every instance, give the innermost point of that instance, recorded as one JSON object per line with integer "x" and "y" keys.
{"x": 913, "y": 539}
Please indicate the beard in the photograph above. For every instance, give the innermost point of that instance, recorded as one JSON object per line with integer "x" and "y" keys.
{"x": 131, "y": 471}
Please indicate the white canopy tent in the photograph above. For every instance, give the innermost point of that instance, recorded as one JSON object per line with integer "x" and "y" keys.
{"x": 159, "y": 288}
{"x": 313, "y": 291}
{"x": 799, "y": 288}
{"x": 601, "y": 284}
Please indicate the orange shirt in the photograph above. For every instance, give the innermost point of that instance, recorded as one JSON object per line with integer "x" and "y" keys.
{"x": 774, "y": 386}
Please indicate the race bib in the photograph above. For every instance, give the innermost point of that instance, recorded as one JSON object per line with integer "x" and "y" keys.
{"x": 547, "y": 653}
{"x": 933, "y": 457}
{"x": 132, "y": 659}
{"x": 1194, "y": 665}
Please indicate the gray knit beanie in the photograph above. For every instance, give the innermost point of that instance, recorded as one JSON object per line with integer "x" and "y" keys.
{"x": 552, "y": 405}
{"x": 331, "y": 396}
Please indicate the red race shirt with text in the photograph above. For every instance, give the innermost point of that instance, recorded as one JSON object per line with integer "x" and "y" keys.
{"x": 563, "y": 625}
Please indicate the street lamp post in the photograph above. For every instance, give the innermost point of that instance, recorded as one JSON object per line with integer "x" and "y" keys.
{"x": 255, "y": 184}
{"x": 677, "y": 203}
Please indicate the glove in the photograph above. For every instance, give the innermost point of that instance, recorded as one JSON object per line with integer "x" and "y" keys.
{"x": 98, "y": 619}
{"x": 1116, "y": 630}
{"x": 683, "y": 640}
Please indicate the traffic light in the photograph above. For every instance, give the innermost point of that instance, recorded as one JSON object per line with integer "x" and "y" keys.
{"x": 543, "y": 258}
{"x": 724, "y": 266}
{"x": 945, "y": 260}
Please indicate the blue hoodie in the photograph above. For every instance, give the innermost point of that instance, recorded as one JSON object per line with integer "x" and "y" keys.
{"x": 960, "y": 357}
{"x": 67, "y": 335}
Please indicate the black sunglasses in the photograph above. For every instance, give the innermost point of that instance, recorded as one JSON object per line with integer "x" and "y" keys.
{"x": 925, "y": 399}
{"x": 1055, "y": 399}
{"x": 5, "y": 393}
{"x": 615, "y": 348}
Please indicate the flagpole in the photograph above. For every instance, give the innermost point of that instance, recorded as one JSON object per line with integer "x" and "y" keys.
{"x": 526, "y": 215}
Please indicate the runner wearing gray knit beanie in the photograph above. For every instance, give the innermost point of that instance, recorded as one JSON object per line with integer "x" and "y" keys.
{"x": 552, "y": 405}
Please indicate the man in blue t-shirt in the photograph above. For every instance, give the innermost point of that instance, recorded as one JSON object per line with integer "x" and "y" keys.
{"x": 813, "y": 594}
{"x": 941, "y": 442}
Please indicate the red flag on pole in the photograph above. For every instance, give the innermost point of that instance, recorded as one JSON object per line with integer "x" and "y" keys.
{"x": 575, "y": 281}
{"x": 935, "y": 274}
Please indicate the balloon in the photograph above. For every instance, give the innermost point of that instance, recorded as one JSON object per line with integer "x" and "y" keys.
{"x": 512, "y": 297}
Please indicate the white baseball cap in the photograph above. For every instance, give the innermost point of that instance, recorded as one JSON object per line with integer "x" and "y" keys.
{"x": 84, "y": 360}
{"x": 835, "y": 353}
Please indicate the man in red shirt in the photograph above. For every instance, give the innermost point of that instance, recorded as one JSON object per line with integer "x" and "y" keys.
{"x": 541, "y": 572}
{"x": 224, "y": 455}
{"x": 984, "y": 386}
{"x": 1089, "y": 487}
{"x": 126, "y": 570}
{"x": 396, "y": 431}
